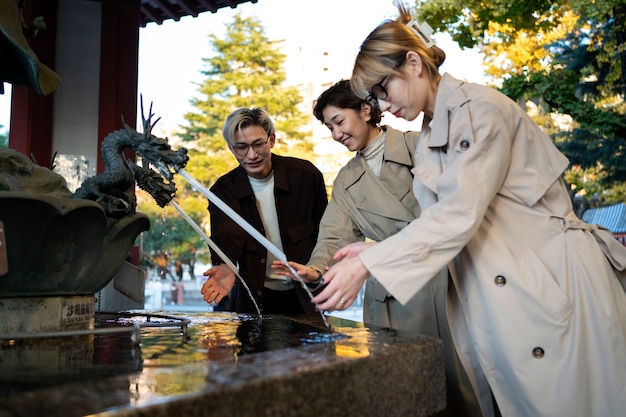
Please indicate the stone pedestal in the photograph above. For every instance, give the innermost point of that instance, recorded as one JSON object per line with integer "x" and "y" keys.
{"x": 23, "y": 315}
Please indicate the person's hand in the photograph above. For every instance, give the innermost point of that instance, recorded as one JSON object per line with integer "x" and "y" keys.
{"x": 308, "y": 274}
{"x": 352, "y": 250}
{"x": 221, "y": 281}
{"x": 343, "y": 283}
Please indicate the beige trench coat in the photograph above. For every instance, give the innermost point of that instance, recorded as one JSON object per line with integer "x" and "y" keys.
{"x": 535, "y": 307}
{"x": 363, "y": 206}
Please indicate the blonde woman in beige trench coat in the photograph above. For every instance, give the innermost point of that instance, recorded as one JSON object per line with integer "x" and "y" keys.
{"x": 535, "y": 305}
{"x": 372, "y": 198}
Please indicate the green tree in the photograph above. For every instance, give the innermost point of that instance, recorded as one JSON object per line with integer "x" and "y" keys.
{"x": 566, "y": 59}
{"x": 245, "y": 71}
{"x": 4, "y": 138}
{"x": 171, "y": 239}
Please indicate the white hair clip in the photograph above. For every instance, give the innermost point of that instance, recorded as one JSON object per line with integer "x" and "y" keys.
{"x": 423, "y": 31}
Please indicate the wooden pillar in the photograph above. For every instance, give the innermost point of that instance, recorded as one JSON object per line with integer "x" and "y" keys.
{"x": 32, "y": 114}
{"x": 118, "y": 68}
{"x": 119, "y": 64}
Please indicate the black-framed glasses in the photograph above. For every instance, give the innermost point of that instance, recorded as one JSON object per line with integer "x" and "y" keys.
{"x": 241, "y": 149}
{"x": 378, "y": 92}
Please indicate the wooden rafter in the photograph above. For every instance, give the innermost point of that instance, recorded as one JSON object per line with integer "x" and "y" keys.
{"x": 158, "y": 11}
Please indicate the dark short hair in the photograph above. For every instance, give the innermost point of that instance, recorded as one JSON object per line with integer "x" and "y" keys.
{"x": 340, "y": 95}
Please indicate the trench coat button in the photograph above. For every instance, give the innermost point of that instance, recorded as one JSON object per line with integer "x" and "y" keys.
{"x": 465, "y": 144}
{"x": 500, "y": 281}
{"x": 262, "y": 260}
{"x": 538, "y": 352}
{"x": 259, "y": 292}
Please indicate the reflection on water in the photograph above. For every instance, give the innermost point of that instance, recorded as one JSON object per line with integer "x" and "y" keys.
{"x": 213, "y": 352}
{"x": 165, "y": 341}
{"x": 36, "y": 363}
{"x": 226, "y": 337}
{"x": 210, "y": 353}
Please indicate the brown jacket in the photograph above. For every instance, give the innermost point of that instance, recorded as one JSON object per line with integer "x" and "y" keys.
{"x": 301, "y": 199}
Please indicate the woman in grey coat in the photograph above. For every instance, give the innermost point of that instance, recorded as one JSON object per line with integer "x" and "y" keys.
{"x": 534, "y": 300}
{"x": 372, "y": 199}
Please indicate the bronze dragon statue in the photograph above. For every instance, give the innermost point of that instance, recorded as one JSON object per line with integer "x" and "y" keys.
{"x": 114, "y": 189}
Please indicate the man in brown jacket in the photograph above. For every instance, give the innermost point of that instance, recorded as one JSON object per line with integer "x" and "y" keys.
{"x": 284, "y": 198}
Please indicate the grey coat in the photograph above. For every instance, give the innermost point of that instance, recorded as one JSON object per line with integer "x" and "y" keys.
{"x": 364, "y": 206}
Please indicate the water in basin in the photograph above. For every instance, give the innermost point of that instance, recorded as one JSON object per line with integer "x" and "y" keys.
{"x": 164, "y": 341}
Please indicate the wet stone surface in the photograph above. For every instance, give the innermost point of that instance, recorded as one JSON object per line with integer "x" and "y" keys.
{"x": 223, "y": 364}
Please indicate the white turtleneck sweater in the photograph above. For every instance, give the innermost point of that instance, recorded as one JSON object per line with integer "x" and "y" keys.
{"x": 264, "y": 194}
{"x": 373, "y": 153}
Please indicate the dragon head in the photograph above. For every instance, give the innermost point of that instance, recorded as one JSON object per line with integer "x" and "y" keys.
{"x": 155, "y": 151}
{"x": 114, "y": 188}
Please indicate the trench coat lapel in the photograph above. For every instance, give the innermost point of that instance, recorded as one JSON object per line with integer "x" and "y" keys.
{"x": 435, "y": 134}
{"x": 396, "y": 167}
{"x": 449, "y": 97}
{"x": 370, "y": 193}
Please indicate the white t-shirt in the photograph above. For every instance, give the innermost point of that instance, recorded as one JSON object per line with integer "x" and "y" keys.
{"x": 264, "y": 193}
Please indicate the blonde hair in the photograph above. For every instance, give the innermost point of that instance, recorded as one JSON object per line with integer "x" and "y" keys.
{"x": 384, "y": 50}
{"x": 243, "y": 118}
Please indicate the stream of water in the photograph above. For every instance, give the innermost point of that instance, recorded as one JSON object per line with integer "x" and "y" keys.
{"x": 216, "y": 248}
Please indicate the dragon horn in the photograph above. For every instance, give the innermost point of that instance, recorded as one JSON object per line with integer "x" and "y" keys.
{"x": 147, "y": 126}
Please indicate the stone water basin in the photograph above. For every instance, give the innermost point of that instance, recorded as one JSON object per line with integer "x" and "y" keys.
{"x": 227, "y": 364}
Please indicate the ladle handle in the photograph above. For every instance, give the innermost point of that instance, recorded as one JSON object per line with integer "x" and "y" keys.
{"x": 204, "y": 236}
{"x": 235, "y": 216}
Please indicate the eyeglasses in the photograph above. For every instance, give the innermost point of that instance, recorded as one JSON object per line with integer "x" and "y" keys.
{"x": 378, "y": 92}
{"x": 241, "y": 149}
